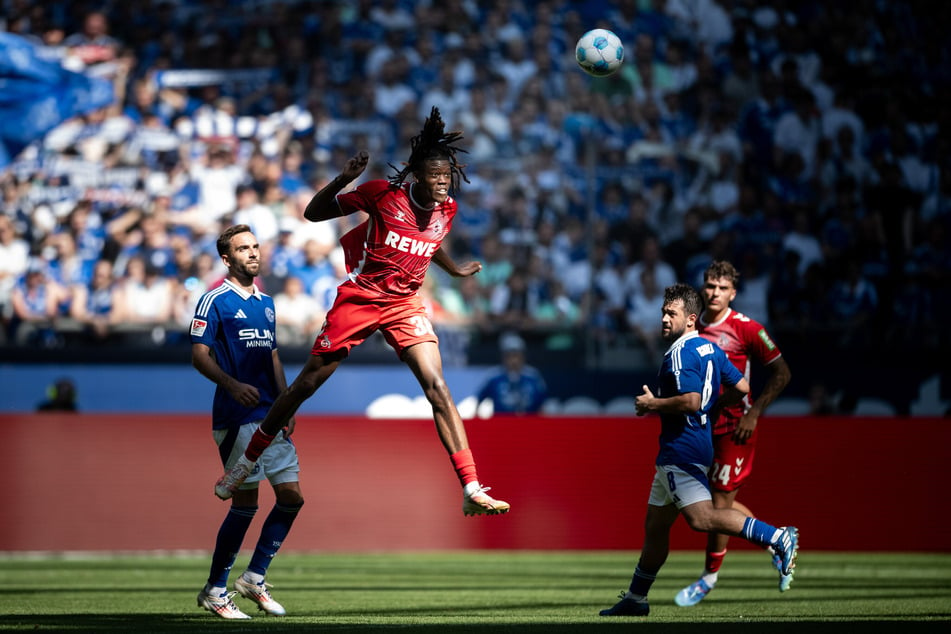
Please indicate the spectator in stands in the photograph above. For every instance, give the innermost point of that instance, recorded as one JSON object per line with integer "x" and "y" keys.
{"x": 757, "y": 123}
{"x": 496, "y": 262}
{"x": 472, "y": 307}
{"x": 892, "y": 206}
{"x": 649, "y": 259}
{"x": 853, "y": 301}
{"x": 145, "y": 301}
{"x": 451, "y": 98}
{"x": 844, "y": 161}
{"x": 149, "y": 239}
{"x": 313, "y": 267}
{"x": 801, "y": 239}
{"x": 218, "y": 175}
{"x": 36, "y": 300}
{"x": 485, "y": 124}
{"x": 14, "y": 258}
{"x": 299, "y": 315}
{"x": 93, "y": 305}
{"x": 821, "y": 403}
{"x": 740, "y": 83}
{"x": 514, "y": 303}
{"x": 514, "y": 388}
{"x": 689, "y": 244}
{"x": 251, "y": 212}
{"x": 391, "y": 91}
{"x": 86, "y": 227}
{"x": 66, "y": 265}
{"x": 634, "y": 226}
{"x": 643, "y": 306}
{"x": 93, "y": 45}
{"x": 798, "y": 131}
{"x": 516, "y": 66}
{"x": 293, "y": 178}
{"x": 569, "y": 255}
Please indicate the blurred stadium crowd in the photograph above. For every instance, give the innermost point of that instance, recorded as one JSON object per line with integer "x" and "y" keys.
{"x": 804, "y": 141}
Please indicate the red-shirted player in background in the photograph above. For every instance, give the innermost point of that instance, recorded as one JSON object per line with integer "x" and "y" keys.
{"x": 387, "y": 259}
{"x": 734, "y": 433}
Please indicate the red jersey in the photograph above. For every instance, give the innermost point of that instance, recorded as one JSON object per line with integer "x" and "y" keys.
{"x": 391, "y": 252}
{"x": 743, "y": 339}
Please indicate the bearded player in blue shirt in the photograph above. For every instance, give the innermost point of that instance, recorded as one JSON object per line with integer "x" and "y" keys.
{"x": 233, "y": 345}
{"x": 687, "y": 398}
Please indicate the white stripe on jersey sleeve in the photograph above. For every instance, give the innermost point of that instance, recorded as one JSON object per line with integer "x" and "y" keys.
{"x": 208, "y": 299}
{"x": 677, "y": 363}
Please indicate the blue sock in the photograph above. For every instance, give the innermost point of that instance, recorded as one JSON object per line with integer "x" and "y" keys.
{"x": 759, "y": 533}
{"x": 642, "y": 581}
{"x": 230, "y": 536}
{"x": 275, "y": 529}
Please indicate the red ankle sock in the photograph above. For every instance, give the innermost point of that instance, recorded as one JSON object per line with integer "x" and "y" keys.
{"x": 259, "y": 442}
{"x": 715, "y": 560}
{"x": 465, "y": 467}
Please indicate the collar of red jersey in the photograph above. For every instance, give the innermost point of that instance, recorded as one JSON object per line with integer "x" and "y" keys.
{"x": 416, "y": 202}
{"x": 726, "y": 315}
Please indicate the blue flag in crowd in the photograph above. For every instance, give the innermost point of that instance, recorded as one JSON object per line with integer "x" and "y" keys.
{"x": 38, "y": 94}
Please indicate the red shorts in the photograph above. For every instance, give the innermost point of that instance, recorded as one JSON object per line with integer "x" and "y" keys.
{"x": 732, "y": 463}
{"x": 357, "y": 313}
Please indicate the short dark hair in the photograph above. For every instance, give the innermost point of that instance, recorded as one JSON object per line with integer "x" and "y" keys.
{"x": 686, "y": 293}
{"x": 224, "y": 240}
{"x": 720, "y": 269}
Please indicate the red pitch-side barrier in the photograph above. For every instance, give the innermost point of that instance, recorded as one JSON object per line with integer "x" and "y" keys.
{"x": 141, "y": 482}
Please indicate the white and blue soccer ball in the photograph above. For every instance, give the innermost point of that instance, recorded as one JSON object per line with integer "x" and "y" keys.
{"x": 599, "y": 52}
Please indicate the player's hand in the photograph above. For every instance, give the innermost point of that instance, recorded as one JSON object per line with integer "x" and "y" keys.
{"x": 744, "y": 429}
{"x": 469, "y": 268}
{"x": 355, "y": 165}
{"x": 643, "y": 402}
{"x": 290, "y": 427}
{"x": 246, "y": 395}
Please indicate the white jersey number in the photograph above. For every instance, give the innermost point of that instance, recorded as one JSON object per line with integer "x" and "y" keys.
{"x": 422, "y": 326}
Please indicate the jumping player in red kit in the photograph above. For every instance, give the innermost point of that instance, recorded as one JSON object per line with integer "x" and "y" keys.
{"x": 387, "y": 257}
{"x": 735, "y": 431}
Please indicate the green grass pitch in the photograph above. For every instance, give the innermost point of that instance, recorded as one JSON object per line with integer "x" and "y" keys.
{"x": 478, "y": 591}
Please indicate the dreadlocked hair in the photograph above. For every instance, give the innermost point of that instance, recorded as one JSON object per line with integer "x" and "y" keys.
{"x": 432, "y": 142}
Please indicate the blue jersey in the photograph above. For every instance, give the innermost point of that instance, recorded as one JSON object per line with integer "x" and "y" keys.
{"x": 692, "y": 364}
{"x": 520, "y": 393}
{"x": 239, "y": 329}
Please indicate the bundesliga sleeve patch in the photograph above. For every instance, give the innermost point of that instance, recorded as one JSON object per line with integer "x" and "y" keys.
{"x": 198, "y": 327}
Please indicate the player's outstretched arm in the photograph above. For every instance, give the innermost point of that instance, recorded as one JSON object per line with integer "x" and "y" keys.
{"x": 323, "y": 206}
{"x": 446, "y": 263}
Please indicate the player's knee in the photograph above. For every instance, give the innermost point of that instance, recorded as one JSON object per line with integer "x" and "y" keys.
{"x": 699, "y": 520}
{"x": 696, "y": 524}
{"x": 290, "y": 499}
{"x": 723, "y": 499}
{"x": 437, "y": 392}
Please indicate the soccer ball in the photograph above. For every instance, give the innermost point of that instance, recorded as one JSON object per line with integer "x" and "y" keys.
{"x": 599, "y": 52}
